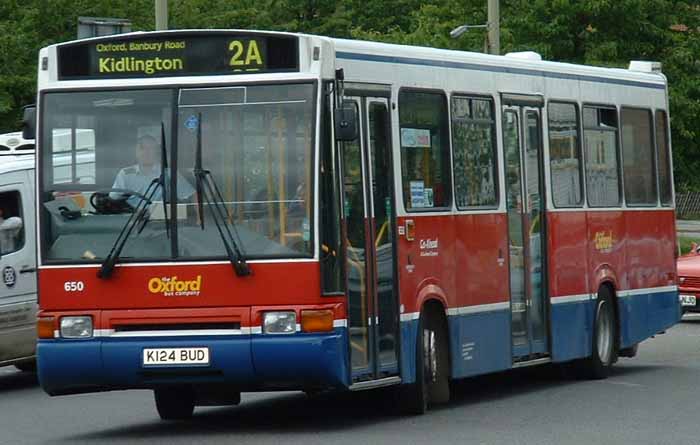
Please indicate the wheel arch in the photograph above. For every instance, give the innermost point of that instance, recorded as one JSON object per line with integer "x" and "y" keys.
{"x": 434, "y": 306}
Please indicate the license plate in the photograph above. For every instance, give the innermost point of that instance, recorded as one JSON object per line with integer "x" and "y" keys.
{"x": 687, "y": 300}
{"x": 175, "y": 356}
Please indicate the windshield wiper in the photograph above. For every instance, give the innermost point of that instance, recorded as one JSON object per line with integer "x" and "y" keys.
{"x": 209, "y": 191}
{"x": 140, "y": 213}
{"x": 161, "y": 181}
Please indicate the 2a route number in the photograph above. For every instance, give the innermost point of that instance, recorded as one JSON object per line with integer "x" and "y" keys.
{"x": 73, "y": 286}
{"x": 246, "y": 55}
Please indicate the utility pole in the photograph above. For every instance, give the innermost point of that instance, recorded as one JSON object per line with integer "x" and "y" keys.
{"x": 492, "y": 44}
{"x": 494, "y": 30}
{"x": 161, "y": 15}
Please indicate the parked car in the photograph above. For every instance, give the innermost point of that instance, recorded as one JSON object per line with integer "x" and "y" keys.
{"x": 689, "y": 280}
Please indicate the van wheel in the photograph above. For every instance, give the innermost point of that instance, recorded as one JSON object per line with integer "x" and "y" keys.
{"x": 432, "y": 366}
{"x": 174, "y": 403}
{"x": 603, "y": 353}
{"x": 29, "y": 366}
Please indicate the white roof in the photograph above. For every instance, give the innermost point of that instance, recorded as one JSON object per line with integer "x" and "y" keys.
{"x": 9, "y": 163}
{"x": 443, "y": 57}
{"x": 488, "y": 60}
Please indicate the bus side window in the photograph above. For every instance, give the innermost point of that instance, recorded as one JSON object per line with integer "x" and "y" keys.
{"x": 425, "y": 150}
{"x": 565, "y": 154}
{"x": 638, "y": 157}
{"x": 11, "y": 226}
{"x": 474, "y": 145}
{"x": 602, "y": 156}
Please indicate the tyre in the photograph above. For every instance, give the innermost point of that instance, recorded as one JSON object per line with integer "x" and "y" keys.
{"x": 604, "y": 350}
{"x": 29, "y": 366}
{"x": 432, "y": 384}
{"x": 174, "y": 403}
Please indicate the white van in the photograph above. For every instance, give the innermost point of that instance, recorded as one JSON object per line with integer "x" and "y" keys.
{"x": 18, "y": 293}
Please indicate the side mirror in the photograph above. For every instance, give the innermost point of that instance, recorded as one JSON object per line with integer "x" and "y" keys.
{"x": 346, "y": 128}
{"x": 29, "y": 122}
{"x": 11, "y": 224}
{"x": 9, "y": 231}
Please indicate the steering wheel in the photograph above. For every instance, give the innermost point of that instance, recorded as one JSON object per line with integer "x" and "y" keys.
{"x": 103, "y": 203}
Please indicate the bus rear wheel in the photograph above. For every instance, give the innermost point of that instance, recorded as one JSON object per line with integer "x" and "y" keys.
{"x": 174, "y": 403}
{"x": 432, "y": 366}
{"x": 603, "y": 351}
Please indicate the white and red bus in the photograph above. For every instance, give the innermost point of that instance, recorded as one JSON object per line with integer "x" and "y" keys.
{"x": 342, "y": 215}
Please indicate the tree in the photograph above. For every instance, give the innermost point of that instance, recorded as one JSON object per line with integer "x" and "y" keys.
{"x": 597, "y": 32}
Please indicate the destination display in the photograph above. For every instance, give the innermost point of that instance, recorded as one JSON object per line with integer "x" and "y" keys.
{"x": 178, "y": 55}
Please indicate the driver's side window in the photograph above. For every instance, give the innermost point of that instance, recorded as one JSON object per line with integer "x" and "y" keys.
{"x": 11, "y": 226}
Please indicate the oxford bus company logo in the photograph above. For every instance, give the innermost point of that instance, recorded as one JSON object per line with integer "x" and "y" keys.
{"x": 604, "y": 241}
{"x": 174, "y": 287}
{"x": 429, "y": 247}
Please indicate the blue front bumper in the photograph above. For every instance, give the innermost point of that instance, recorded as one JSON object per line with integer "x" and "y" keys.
{"x": 247, "y": 362}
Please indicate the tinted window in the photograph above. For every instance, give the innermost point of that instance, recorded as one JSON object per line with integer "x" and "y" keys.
{"x": 602, "y": 167}
{"x": 663, "y": 158}
{"x": 564, "y": 154}
{"x": 425, "y": 150}
{"x": 638, "y": 157}
{"x": 11, "y": 225}
{"x": 474, "y": 148}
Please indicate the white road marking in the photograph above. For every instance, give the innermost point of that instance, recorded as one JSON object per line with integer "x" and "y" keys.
{"x": 628, "y": 384}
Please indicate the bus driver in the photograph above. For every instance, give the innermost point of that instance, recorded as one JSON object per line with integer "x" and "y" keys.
{"x": 138, "y": 177}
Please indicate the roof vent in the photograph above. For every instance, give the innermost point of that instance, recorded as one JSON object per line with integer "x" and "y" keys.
{"x": 645, "y": 66}
{"x": 14, "y": 144}
{"x": 525, "y": 55}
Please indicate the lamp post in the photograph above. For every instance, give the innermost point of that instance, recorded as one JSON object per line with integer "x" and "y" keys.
{"x": 161, "y": 15}
{"x": 493, "y": 39}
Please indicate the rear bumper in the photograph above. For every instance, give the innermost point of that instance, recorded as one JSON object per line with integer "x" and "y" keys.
{"x": 246, "y": 362}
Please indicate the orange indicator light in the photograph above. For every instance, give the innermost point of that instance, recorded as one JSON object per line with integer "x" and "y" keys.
{"x": 45, "y": 327}
{"x": 317, "y": 320}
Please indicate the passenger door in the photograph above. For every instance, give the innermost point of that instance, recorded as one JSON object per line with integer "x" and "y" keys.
{"x": 525, "y": 204}
{"x": 18, "y": 267}
{"x": 368, "y": 223}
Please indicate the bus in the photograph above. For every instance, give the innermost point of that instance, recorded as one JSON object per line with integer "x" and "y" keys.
{"x": 277, "y": 211}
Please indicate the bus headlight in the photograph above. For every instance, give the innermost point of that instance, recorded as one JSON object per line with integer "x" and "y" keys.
{"x": 76, "y": 327}
{"x": 280, "y": 322}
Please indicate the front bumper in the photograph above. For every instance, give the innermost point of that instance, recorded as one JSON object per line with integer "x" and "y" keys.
{"x": 690, "y": 308}
{"x": 246, "y": 362}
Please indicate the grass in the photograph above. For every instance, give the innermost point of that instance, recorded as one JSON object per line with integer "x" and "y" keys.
{"x": 685, "y": 241}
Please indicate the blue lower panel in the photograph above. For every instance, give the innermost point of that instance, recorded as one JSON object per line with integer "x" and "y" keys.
{"x": 481, "y": 343}
{"x": 306, "y": 359}
{"x": 409, "y": 331}
{"x": 249, "y": 362}
{"x": 642, "y": 316}
{"x": 571, "y": 327}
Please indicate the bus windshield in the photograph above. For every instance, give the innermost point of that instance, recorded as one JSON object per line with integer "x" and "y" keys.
{"x": 102, "y": 150}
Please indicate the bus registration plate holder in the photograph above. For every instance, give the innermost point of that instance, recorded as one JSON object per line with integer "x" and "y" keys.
{"x": 175, "y": 356}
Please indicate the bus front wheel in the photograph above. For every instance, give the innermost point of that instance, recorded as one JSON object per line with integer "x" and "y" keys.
{"x": 174, "y": 403}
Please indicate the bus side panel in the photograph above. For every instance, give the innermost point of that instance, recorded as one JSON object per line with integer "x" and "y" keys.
{"x": 648, "y": 306}
{"x": 426, "y": 270}
{"x": 479, "y": 323}
{"x": 607, "y": 250}
{"x": 568, "y": 285}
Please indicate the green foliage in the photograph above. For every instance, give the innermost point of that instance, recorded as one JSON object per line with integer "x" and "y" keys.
{"x": 597, "y": 32}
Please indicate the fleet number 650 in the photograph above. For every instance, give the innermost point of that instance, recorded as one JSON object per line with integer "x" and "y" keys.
{"x": 73, "y": 286}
